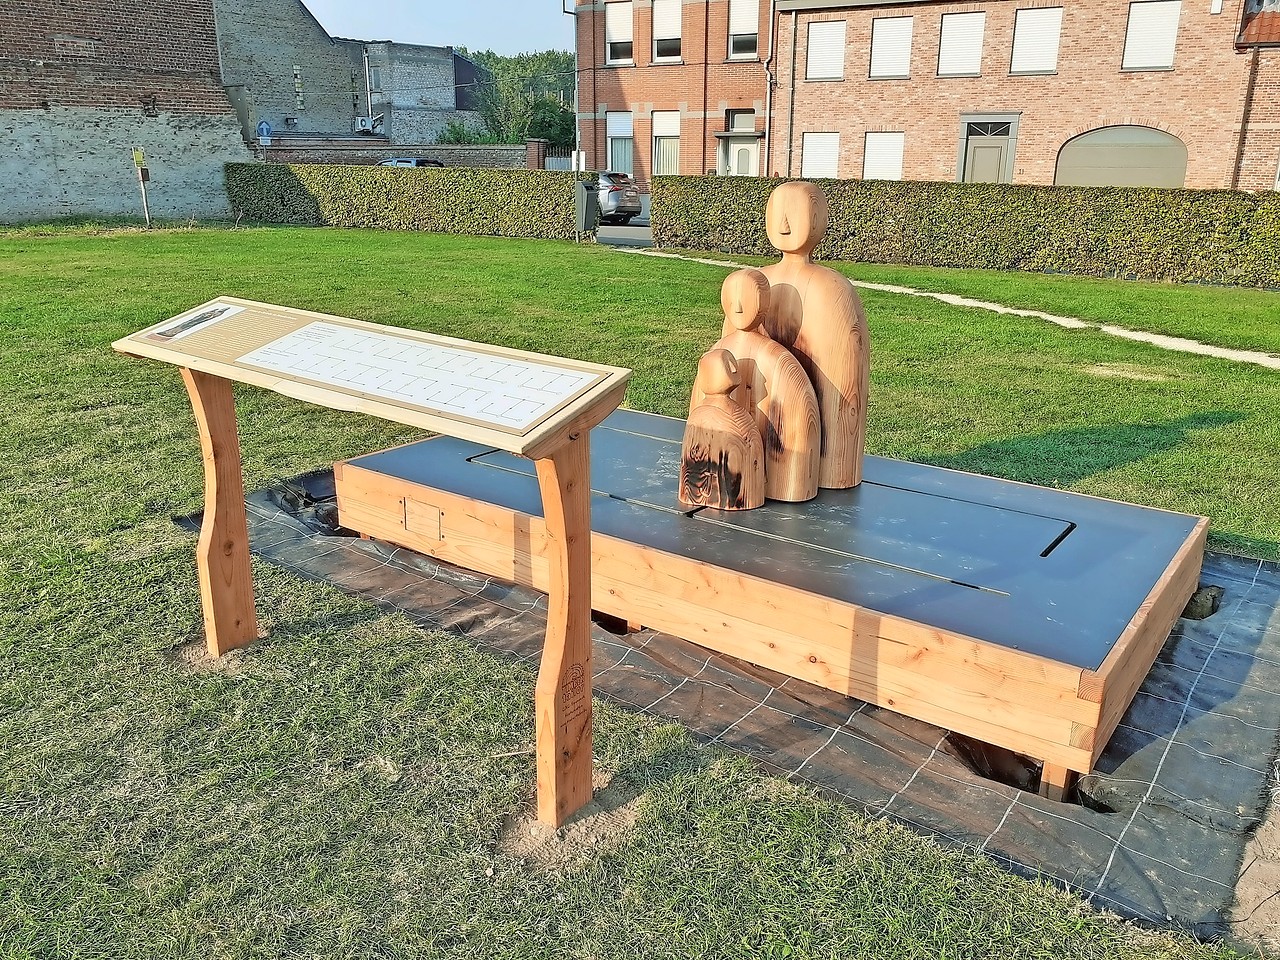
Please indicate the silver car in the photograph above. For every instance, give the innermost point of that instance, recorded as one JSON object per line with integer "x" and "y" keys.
{"x": 619, "y": 198}
{"x": 409, "y": 162}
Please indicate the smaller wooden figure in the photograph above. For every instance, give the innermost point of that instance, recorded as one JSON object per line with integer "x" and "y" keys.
{"x": 775, "y": 390}
{"x": 722, "y": 458}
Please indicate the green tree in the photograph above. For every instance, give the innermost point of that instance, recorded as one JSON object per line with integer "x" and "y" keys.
{"x": 531, "y": 95}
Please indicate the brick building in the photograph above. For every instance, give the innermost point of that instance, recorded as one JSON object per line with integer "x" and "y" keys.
{"x": 281, "y": 65}
{"x": 1260, "y": 140}
{"x": 666, "y": 86}
{"x": 1153, "y": 92}
{"x": 82, "y": 84}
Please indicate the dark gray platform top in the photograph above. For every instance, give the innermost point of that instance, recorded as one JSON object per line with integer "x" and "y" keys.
{"x": 1030, "y": 568}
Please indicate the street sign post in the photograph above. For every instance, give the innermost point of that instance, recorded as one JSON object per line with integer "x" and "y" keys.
{"x": 144, "y": 177}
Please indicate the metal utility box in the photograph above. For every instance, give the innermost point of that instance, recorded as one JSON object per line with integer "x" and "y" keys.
{"x": 587, "y": 205}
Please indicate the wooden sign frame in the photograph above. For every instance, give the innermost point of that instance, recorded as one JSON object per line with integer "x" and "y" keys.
{"x": 209, "y": 344}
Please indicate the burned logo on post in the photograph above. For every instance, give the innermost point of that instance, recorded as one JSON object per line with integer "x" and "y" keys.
{"x": 574, "y": 684}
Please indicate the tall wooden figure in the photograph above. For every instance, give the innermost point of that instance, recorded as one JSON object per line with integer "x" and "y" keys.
{"x": 817, "y": 315}
{"x": 775, "y": 389}
{"x": 722, "y": 458}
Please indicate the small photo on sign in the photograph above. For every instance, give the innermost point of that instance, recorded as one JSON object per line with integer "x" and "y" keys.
{"x": 192, "y": 321}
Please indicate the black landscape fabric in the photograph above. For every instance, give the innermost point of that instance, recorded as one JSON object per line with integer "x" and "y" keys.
{"x": 1159, "y": 835}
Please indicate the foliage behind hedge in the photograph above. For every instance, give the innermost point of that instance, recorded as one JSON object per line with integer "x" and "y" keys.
{"x": 1197, "y": 236}
{"x": 502, "y": 203}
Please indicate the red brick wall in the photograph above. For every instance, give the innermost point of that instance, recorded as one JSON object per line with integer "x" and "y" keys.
{"x": 1200, "y": 100}
{"x": 114, "y": 54}
{"x": 1261, "y": 156}
{"x": 703, "y": 87}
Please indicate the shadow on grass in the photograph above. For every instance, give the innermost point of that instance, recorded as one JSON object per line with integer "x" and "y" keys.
{"x": 1065, "y": 457}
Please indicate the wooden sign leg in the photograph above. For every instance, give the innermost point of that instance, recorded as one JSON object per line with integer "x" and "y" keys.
{"x": 562, "y": 698}
{"x": 222, "y": 555}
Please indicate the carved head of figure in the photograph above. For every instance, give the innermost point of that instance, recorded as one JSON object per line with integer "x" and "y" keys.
{"x": 718, "y": 372}
{"x": 796, "y": 217}
{"x": 744, "y": 297}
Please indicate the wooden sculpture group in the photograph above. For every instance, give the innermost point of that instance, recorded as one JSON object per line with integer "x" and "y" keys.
{"x": 779, "y": 404}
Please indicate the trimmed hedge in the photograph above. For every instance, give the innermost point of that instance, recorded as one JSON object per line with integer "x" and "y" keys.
{"x": 1189, "y": 236}
{"x": 500, "y": 203}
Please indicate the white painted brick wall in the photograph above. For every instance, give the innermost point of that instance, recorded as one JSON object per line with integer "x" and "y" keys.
{"x": 78, "y": 161}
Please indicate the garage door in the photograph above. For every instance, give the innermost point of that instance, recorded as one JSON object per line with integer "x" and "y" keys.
{"x": 1123, "y": 156}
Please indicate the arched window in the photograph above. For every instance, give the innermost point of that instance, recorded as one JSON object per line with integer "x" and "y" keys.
{"x": 1124, "y": 156}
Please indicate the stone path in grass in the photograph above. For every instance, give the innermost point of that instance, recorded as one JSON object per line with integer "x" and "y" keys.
{"x": 1177, "y": 344}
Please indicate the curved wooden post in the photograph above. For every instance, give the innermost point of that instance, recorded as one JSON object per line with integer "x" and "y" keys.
{"x": 222, "y": 555}
{"x": 562, "y": 698}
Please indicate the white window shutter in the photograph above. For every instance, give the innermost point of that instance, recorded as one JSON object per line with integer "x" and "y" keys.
{"x": 960, "y": 51}
{"x": 617, "y": 22}
{"x": 882, "y": 159}
{"x": 1152, "y": 35}
{"x": 666, "y": 19}
{"x": 744, "y": 16}
{"x": 1035, "y": 40}
{"x": 826, "y": 50}
{"x": 819, "y": 154}
{"x": 618, "y": 124}
{"x": 666, "y": 123}
{"x": 891, "y": 47}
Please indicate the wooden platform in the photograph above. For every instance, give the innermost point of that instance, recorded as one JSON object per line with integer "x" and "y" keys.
{"x": 1018, "y": 615}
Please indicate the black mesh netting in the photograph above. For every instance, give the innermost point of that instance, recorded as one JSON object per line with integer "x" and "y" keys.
{"x": 1160, "y": 830}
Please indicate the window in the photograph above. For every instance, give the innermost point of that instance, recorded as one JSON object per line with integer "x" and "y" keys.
{"x": 742, "y": 121}
{"x": 1035, "y": 40}
{"x": 375, "y": 78}
{"x": 666, "y": 29}
{"x": 1152, "y": 35}
{"x": 890, "y": 48}
{"x": 618, "y": 130}
{"x": 744, "y": 28}
{"x": 882, "y": 159}
{"x": 617, "y": 33}
{"x": 819, "y": 154}
{"x": 825, "y": 59}
{"x": 960, "y": 51}
{"x": 666, "y": 142}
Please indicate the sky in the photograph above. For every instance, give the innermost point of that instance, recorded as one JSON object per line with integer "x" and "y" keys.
{"x": 504, "y": 26}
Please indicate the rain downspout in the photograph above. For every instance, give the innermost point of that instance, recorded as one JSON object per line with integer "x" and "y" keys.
{"x": 1244, "y": 119}
{"x": 368, "y": 87}
{"x": 768, "y": 92}
{"x": 706, "y": 67}
{"x": 791, "y": 99}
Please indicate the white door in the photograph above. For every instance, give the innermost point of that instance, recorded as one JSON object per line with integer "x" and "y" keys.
{"x": 742, "y": 156}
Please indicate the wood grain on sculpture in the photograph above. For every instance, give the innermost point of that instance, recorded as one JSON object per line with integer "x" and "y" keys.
{"x": 775, "y": 389}
{"x": 816, "y": 314}
{"x": 722, "y": 457}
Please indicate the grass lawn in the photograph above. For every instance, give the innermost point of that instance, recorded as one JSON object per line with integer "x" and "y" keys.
{"x": 339, "y": 790}
{"x": 1234, "y": 317}
{"x": 1241, "y": 318}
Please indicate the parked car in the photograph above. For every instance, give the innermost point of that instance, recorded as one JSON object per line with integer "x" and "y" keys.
{"x": 619, "y": 198}
{"x": 410, "y": 162}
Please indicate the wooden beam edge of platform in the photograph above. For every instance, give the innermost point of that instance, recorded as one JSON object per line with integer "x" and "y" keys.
{"x": 1115, "y": 683}
{"x": 1018, "y": 700}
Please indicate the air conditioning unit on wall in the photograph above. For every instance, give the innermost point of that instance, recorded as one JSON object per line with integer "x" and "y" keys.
{"x": 364, "y": 124}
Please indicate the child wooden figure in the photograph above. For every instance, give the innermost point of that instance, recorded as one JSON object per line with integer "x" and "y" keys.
{"x": 775, "y": 390}
{"x": 722, "y": 458}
